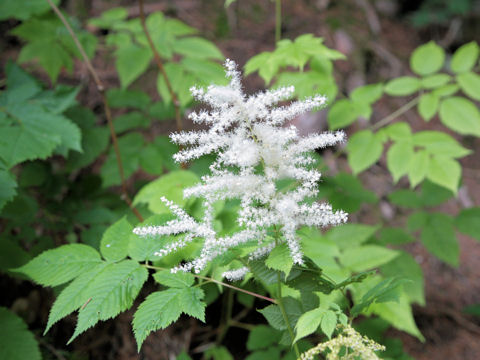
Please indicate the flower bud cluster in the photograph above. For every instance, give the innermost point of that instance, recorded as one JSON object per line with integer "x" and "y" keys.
{"x": 254, "y": 150}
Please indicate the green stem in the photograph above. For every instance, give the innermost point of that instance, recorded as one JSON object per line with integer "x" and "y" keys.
{"x": 395, "y": 114}
{"x": 208, "y": 279}
{"x": 278, "y": 20}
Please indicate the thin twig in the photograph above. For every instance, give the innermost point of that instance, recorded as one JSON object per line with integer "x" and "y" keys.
{"x": 395, "y": 114}
{"x": 209, "y": 279}
{"x": 108, "y": 113}
{"x": 158, "y": 61}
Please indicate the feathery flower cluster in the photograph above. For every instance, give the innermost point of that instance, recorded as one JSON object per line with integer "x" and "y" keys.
{"x": 254, "y": 151}
{"x": 358, "y": 347}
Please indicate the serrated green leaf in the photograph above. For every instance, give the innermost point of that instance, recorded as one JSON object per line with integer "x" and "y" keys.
{"x": 161, "y": 308}
{"x": 16, "y": 341}
{"x": 8, "y": 187}
{"x": 445, "y": 172}
{"x": 435, "y": 81}
{"x": 74, "y": 296}
{"x": 274, "y": 315}
{"x": 399, "y": 131}
{"x": 263, "y": 273}
{"x": 197, "y": 47}
{"x": 261, "y": 337}
{"x": 418, "y": 167}
{"x": 114, "y": 244}
{"x": 468, "y": 222}
{"x": 132, "y": 61}
{"x": 57, "y": 266}
{"x": 130, "y": 146}
{"x": 446, "y": 90}
{"x": 427, "y": 59}
{"x": 470, "y": 84}
{"x": 364, "y": 149}
{"x": 402, "y": 86}
{"x": 329, "y": 322}
{"x": 112, "y": 291}
{"x": 405, "y": 198}
{"x": 108, "y": 18}
{"x": 123, "y": 98}
{"x": 308, "y": 323}
{"x": 460, "y": 115}
{"x": 367, "y": 94}
{"x": 439, "y": 143}
{"x": 405, "y": 266}
{"x": 399, "y": 157}
{"x": 428, "y": 106}
{"x": 366, "y": 257}
{"x": 130, "y": 120}
{"x": 350, "y": 235}
{"x": 94, "y": 142}
{"x": 465, "y": 57}
{"x": 280, "y": 259}
{"x": 342, "y": 114}
{"x": 171, "y": 186}
{"x": 438, "y": 236}
{"x": 176, "y": 280}
{"x": 394, "y": 236}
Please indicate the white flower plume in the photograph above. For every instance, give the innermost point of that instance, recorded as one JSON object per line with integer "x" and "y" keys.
{"x": 254, "y": 150}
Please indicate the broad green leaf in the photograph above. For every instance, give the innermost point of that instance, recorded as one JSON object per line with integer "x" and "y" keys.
{"x": 460, "y": 115}
{"x": 197, "y": 47}
{"x": 280, "y": 259}
{"x": 130, "y": 145}
{"x": 405, "y": 198}
{"x": 439, "y": 143}
{"x": 399, "y": 131}
{"x": 262, "y": 337}
{"x": 470, "y": 84}
{"x": 385, "y": 291}
{"x": 446, "y": 90}
{"x": 346, "y": 192}
{"x": 132, "y": 61}
{"x": 57, "y": 266}
{"x": 329, "y": 322}
{"x": 445, "y": 172}
{"x": 16, "y": 341}
{"x": 367, "y": 94}
{"x": 366, "y": 257}
{"x": 427, "y": 59}
{"x": 428, "y": 106}
{"x": 49, "y": 42}
{"x": 402, "y": 86}
{"x": 399, "y": 157}
{"x": 114, "y": 244}
{"x": 112, "y": 291}
{"x": 274, "y": 316}
{"x": 8, "y": 187}
{"x": 218, "y": 353}
{"x": 364, "y": 149}
{"x": 417, "y": 220}
{"x": 175, "y": 280}
{"x": 171, "y": 186}
{"x": 405, "y": 266}
{"x": 123, "y": 98}
{"x": 465, "y": 57}
{"x": 308, "y": 323}
{"x": 394, "y": 236}
{"x": 433, "y": 194}
{"x": 350, "y": 235}
{"x": 263, "y": 273}
{"x": 94, "y": 142}
{"x": 468, "y": 222}
{"x": 130, "y": 120}
{"x": 435, "y": 81}
{"x": 418, "y": 167}
{"x": 266, "y": 65}
{"x": 74, "y": 296}
{"x": 108, "y": 18}
{"x": 161, "y": 308}
{"x": 399, "y": 314}
{"x": 342, "y": 114}
{"x": 438, "y": 236}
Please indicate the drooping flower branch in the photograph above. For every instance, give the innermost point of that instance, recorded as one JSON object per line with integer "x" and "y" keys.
{"x": 254, "y": 150}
